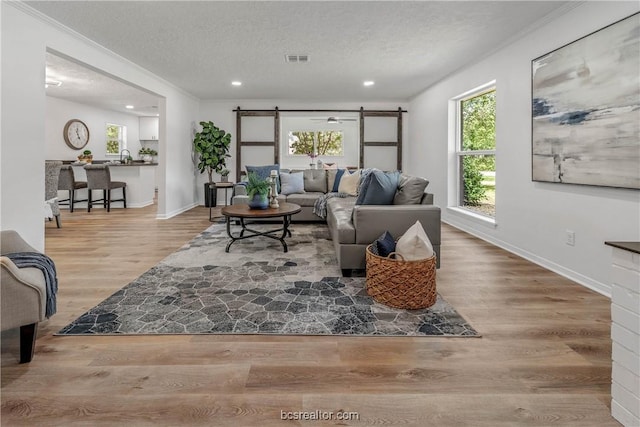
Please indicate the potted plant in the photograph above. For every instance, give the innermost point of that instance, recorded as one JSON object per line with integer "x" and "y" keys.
{"x": 212, "y": 145}
{"x": 146, "y": 154}
{"x": 86, "y": 156}
{"x": 258, "y": 191}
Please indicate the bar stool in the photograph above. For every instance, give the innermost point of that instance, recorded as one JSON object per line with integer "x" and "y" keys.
{"x": 99, "y": 178}
{"x": 51, "y": 174}
{"x": 67, "y": 182}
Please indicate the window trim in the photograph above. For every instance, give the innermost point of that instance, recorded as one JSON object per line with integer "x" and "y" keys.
{"x": 456, "y": 204}
{"x": 315, "y": 142}
{"x": 122, "y": 140}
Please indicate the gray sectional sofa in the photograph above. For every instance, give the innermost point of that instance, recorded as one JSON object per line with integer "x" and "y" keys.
{"x": 353, "y": 227}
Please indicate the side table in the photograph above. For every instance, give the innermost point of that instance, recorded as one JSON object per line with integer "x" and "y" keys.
{"x": 218, "y": 186}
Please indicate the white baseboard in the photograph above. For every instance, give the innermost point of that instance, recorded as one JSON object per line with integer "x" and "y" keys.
{"x": 176, "y": 212}
{"x": 583, "y": 280}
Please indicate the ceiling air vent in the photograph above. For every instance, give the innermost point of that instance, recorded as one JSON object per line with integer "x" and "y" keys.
{"x": 296, "y": 58}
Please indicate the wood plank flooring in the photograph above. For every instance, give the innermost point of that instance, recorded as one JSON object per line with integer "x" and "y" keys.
{"x": 544, "y": 358}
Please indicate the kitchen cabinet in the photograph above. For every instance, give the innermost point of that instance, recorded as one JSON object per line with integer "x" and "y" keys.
{"x": 149, "y": 128}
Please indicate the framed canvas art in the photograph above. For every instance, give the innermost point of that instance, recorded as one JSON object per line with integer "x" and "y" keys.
{"x": 586, "y": 109}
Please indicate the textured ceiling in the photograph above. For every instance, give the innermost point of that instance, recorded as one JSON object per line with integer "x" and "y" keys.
{"x": 87, "y": 86}
{"x": 200, "y": 46}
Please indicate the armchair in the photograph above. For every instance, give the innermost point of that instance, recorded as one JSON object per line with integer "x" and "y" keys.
{"x": 22, "y": 294}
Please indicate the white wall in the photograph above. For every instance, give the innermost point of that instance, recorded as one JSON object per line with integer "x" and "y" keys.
{"x": 220, "y": 112}
{"x": 59, "y": 111}
{"x": 531, "y": 217}
{"x": 26, "y": 35}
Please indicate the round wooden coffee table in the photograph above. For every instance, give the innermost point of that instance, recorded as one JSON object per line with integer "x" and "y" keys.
{"x": 243, "y": 212}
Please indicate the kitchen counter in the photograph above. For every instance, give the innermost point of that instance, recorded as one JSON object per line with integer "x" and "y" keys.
{"x": 101, "y": 162}
{"x": 140, "y": 179}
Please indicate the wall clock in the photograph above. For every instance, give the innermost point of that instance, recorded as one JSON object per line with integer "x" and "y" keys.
{"x": 76, "y": 134}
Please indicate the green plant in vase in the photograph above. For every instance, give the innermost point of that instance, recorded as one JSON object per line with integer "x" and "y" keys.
{"x": 212, "y": 146}
{"x": 258, "y": 191}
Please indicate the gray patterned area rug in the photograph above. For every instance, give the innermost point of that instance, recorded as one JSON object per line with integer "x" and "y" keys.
{"x": 258, "y": 289}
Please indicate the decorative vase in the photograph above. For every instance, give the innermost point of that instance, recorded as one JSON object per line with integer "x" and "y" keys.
{"x": 259, "y": 201}
{"x": 224, "y": 178}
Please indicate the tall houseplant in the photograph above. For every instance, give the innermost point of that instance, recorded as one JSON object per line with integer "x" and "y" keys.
{"x": 212, "y": 145}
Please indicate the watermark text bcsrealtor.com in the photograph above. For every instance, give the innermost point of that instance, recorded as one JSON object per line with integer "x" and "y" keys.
{"x": 319, "y": 415}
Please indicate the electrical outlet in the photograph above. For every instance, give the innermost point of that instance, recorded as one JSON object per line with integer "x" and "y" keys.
{"x": 571, "y": 238}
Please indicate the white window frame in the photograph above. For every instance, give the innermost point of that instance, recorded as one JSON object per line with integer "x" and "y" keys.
{"x": 122, "y": 139}
{"x": 456, "y": 193}
{"x": 315, "y": 142}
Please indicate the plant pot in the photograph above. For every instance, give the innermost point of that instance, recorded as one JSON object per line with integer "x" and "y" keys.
{"x": 210, "y": 195}
{"x": 224, "y": 178}
{"x": 259, "y": 201}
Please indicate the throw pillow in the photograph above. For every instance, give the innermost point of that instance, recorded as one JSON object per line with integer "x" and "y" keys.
{"x": 264, "y": 172}
{"x": 380, "y": 188}
{"x": 385, "y": 244}
{"x": 337, "y": 175}
{"x": 328, "y": 166}
{"x": 410, "y": 190}
{"x": 292, "y": 183}
{"x": 414, "y": 244}
{"x": 349, "y": 183}
{"x": 315, "y": 180}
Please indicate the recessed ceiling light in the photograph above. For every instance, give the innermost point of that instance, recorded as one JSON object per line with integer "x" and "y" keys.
{"x": 236, "y": 83}
{"x": 129, "y": 107}
{"x": 369, "y": 83}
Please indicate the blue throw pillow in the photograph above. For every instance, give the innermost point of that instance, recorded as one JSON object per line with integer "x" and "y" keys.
{"x": 263, "y": 172}
{"x": 336, "y": 183}
{"x": 385, "y": 244}
{"x": 380, "y": 189}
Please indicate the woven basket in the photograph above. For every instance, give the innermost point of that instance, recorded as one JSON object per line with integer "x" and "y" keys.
{"x": 401, "y": 284}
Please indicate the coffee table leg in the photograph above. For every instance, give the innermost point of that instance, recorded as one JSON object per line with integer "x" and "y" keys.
{"x": 244, "y": 227}
{"x": 288, "y": 224}
{"x": 285, "y": 231}
{"x": 229, "y": 234}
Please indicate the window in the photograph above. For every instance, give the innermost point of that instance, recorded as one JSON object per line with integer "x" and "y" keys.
{"x": 116, "y": 139}
{"x": 476, "y": 152}
{"x": 324, "y": 143}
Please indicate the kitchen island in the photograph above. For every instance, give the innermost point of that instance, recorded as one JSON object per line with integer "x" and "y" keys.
{"x": 139, "y": 176}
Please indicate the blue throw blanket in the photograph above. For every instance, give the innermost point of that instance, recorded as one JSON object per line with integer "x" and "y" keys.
{"x": 48, "y": 268}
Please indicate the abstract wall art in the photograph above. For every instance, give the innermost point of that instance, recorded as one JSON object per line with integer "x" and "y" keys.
{"x": 586, "y": 109}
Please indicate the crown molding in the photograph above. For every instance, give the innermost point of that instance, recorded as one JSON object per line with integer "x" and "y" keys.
{"x": 23, "y": 7}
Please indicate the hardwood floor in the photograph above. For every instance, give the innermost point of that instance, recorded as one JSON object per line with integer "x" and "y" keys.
{"x": 544, "y": 358}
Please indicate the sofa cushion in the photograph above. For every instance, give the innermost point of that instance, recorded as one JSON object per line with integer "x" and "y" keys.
{"x": 410, "y": 190}
{"x": 263, "y": 172}
{"x": 339, "y": 212}
{"x": 315, "y": 180}
{"x": 414, "y": 244}
{"x": 292, "y": 183}
{"x": 379, "y": 188}
{"x": 349, "y": 183}
{"x": 306, "y": 199}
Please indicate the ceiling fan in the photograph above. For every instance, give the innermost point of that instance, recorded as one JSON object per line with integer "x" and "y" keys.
{"x": 335, "y": 120}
